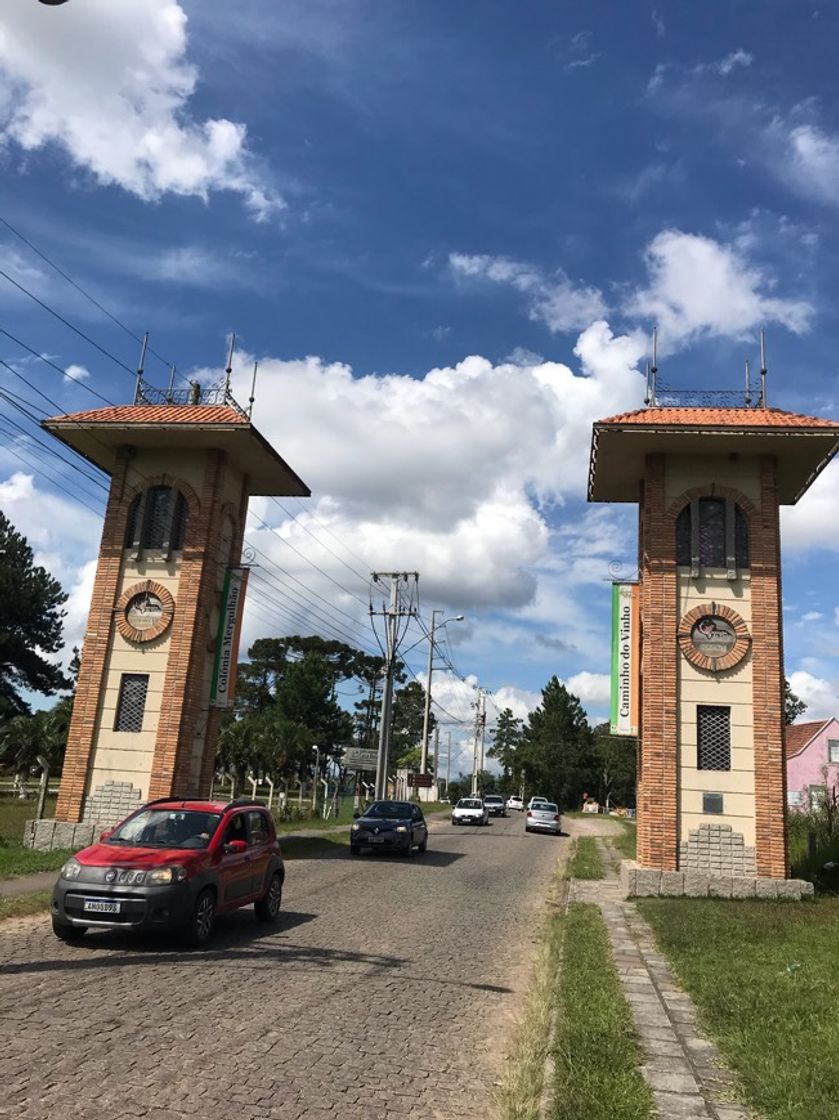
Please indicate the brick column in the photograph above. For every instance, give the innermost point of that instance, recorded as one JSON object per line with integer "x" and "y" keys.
{"x": 768, "y": 680}
{"x": 657, "y": 789}
{"x": 95, "y": 648}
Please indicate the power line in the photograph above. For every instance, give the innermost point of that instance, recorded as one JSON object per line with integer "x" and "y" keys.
{"x": 305, "y": 529}
{"x": 58, "y": 369}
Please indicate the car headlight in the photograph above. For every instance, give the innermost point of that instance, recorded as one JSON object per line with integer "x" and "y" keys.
{"x": 71, "y": 869}
{"x": 355, "y": 826}
{"x": 160, "y": 876}
{"x": 401, "y": 828}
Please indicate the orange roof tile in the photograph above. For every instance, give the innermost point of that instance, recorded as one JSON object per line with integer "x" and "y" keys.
{"x": 155, "y": 414}
{"x": 719, "y": 418}
{"x": 798, "y": 735}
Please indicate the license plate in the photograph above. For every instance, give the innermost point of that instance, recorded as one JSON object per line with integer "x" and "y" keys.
{"x": 377, "y": 839}
{"x": 100, "y": 906}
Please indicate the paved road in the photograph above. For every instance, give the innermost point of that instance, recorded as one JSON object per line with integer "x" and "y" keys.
{"x": 387, "y": 989}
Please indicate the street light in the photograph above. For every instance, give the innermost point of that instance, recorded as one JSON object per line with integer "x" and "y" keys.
{"x": 315, "y": 781}
{"x": 427, "y": 713}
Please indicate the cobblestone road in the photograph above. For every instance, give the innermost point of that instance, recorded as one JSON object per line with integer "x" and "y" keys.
{"x": 387, "y": 989}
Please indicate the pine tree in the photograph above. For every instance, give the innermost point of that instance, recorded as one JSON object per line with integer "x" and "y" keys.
{"x": 556, "y": 750}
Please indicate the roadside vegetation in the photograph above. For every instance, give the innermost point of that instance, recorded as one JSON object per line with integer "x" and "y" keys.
{"x": 585, "y": 861}
{"x": 575, "y": 1054}
{"x": 771, "y": 1010}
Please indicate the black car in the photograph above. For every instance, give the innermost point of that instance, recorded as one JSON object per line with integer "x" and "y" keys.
{"x": 496, "y": 806}
{"x": 389, "y": 826}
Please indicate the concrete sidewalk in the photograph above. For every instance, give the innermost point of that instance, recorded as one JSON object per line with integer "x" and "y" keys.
{"x": 686, "y": 1073}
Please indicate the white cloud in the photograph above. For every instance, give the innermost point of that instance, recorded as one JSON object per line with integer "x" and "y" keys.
{"x": 733, "y": 60}
{"x": 814, "y": 522}
{"x": 110, "y": 84}
{"x": 552, "y": 299}
{"x": 592, "y": 689}
{"x": 76, "y": 373}
{"x": 809, "y": 159}
{"x": 821, "y": 696}
{"x": 698, "y": 286}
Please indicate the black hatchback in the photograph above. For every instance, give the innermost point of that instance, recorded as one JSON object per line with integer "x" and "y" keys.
{"x": 389, "y": 826}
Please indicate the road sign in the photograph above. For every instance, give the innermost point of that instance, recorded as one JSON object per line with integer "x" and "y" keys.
{"x": 357, "y": 758}
{"x": 420, "y": 780}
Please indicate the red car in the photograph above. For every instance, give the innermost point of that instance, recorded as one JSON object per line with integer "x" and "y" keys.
{"x": 173, "y": 864}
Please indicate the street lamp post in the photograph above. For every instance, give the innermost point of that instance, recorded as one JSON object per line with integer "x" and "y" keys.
{"x": 427, "y": 713}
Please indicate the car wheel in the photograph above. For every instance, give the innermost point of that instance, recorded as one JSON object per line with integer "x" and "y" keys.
{"x": 409, "y": 851}
{"x": 68, "y": 933}
{"x": 355, "y": 850}
{"x": 203, "y": 919}
{"x": 268, "y": 907}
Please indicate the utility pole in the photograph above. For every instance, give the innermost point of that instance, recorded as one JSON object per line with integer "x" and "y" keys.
{"x": 426, "y": 719}
{"x": 392, "y": 614}
{"x": 478, "y": 749}
{"x": 448, "y": 759}
{"x": 436, "y": 761}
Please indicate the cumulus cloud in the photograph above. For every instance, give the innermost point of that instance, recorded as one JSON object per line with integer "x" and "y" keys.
{"x": 75, "y": 373}
{"x": 111, "y": 85}
{"x": 551, "y": 299}
{"x": 809, "y": 159}
{"x": 698, "y": 286}
{"x": 819, "y": 694}
{"x": 814, "y": 522}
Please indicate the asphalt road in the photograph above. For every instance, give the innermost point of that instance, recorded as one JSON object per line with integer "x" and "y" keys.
{"x": 388, "y": 988}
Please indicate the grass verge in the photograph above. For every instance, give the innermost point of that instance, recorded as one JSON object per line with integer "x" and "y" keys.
{"x": 771, "y": 1010}
{"x": 595, "y": 1051}
{"x": 626, "y": 838}
{"x": 16, "y": 861}
{"x": 585, "y": 862}
{"x": 23, "y": 904}
{"x": 519, "y": 1095}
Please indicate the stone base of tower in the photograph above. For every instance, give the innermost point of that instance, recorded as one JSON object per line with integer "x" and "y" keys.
{"x": 644, "y": 882}
{"x": 108, "y": 804}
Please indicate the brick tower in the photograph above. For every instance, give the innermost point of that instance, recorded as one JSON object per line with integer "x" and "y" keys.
{"x": 159, "y": 653}
{"x": 711, "y": 774}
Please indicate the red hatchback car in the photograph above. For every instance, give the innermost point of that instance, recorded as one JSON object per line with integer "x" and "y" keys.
{"x": 173, "y": 864}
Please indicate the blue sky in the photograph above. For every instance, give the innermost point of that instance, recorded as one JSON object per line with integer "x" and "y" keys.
{"x": 446, "y": 231}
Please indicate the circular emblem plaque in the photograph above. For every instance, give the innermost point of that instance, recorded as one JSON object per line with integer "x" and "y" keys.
{"x": 145, "y": 611}
{"x": 713, "y": 637}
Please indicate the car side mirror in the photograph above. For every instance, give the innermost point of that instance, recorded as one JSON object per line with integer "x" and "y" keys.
{"x": 106, "y": 835}
{"x": 356, "y": 815}
{"x": 235, "y": 847}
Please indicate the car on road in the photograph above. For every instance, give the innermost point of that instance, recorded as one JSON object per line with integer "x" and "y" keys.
{"x": 496, "y": 806}
{"x": 537, "y": 801}
{"x": 515, "y": 802}
{"x": 544, "y": 817}
{"x": 470, "y": 810}
{"x": 173, "y": 864}
{"x": 395, "y": 826}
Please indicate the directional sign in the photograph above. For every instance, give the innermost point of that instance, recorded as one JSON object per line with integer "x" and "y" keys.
{"x": 420, "y": 781}
{"x": 357, "y": 758}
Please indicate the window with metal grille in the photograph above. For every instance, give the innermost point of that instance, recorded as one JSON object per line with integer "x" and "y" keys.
{"x": 713, "y": 738}
{"x": 712, "y": 533}
{"x": 132, "y": 702}
{"x": 157, "y": 519}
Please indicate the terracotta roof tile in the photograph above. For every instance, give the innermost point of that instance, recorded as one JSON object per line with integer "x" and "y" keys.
{"x": 719, "y": 418}
{"x": 155, "y": 414}
{"x": 798, "y": 735}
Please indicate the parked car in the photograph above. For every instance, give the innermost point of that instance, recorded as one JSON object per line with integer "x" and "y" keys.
{"x": 470, "y": 810}
{"x": 544, "y": 817}
{"x": 495, "y": 805}
{"x": 389, "y": 826}
{"x": 173, "y": 864}
{"x": 515, "y": 802}
{"x": 537, "y": 801}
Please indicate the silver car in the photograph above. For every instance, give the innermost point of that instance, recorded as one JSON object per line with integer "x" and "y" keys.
{"x": 544, "y": 817}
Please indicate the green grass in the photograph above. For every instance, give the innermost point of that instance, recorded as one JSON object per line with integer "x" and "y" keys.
{"x": 626, "y": 838}
{"x": 14, "y": 858}
{"x": 765, "y": 976}
{"x": 23, "y": 861}
{"x": 585, "y": 862}
{"x": 595, "y": 1050}
{"x": 14, "y": 813}
{"x": 24, "y": 904}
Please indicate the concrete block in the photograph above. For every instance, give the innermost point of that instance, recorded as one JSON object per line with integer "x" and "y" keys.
{"x": 43, "y": 836}
{"x": 647, "y": 883}
{"x": 696, "y": 884}
{"x": 720, "y": 886}
{"x": 627, "y": 874}
{"x": 63, "y": 834}
{"x": 807, "y": 890}
{"x": 672, "y": 884}
{"x": 766, "y": 888}
{"x": 742, "y": 886}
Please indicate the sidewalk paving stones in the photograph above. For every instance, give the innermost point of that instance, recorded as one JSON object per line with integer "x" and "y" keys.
{"x": 685, "y": 1071}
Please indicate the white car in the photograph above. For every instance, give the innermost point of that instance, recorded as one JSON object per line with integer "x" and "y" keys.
{"x": 534, "y": 801}
{"x": 470, "y": 810}
{"x": 515, "y": 802}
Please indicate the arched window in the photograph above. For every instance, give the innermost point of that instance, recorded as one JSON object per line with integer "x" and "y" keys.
{"x": 712, "y": 533}
{"x": 157, "y": 519}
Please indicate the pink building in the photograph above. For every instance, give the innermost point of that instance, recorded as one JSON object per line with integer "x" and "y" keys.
{"x": 812, "y": 751}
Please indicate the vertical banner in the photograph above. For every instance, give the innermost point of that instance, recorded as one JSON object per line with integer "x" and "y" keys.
{"x": 625, "y": 659}
{"x": 227, "y": 643}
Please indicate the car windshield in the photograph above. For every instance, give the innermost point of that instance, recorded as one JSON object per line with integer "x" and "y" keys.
{"x": 468, "y": 803}
{"x": 167, "y": 828}
{"x": 492, "y": 800}
{"x": 390, "y": 810}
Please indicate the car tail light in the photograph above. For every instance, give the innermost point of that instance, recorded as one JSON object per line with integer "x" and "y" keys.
{"x": 529, "y": 813}
{"x": 556, "y": 816}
